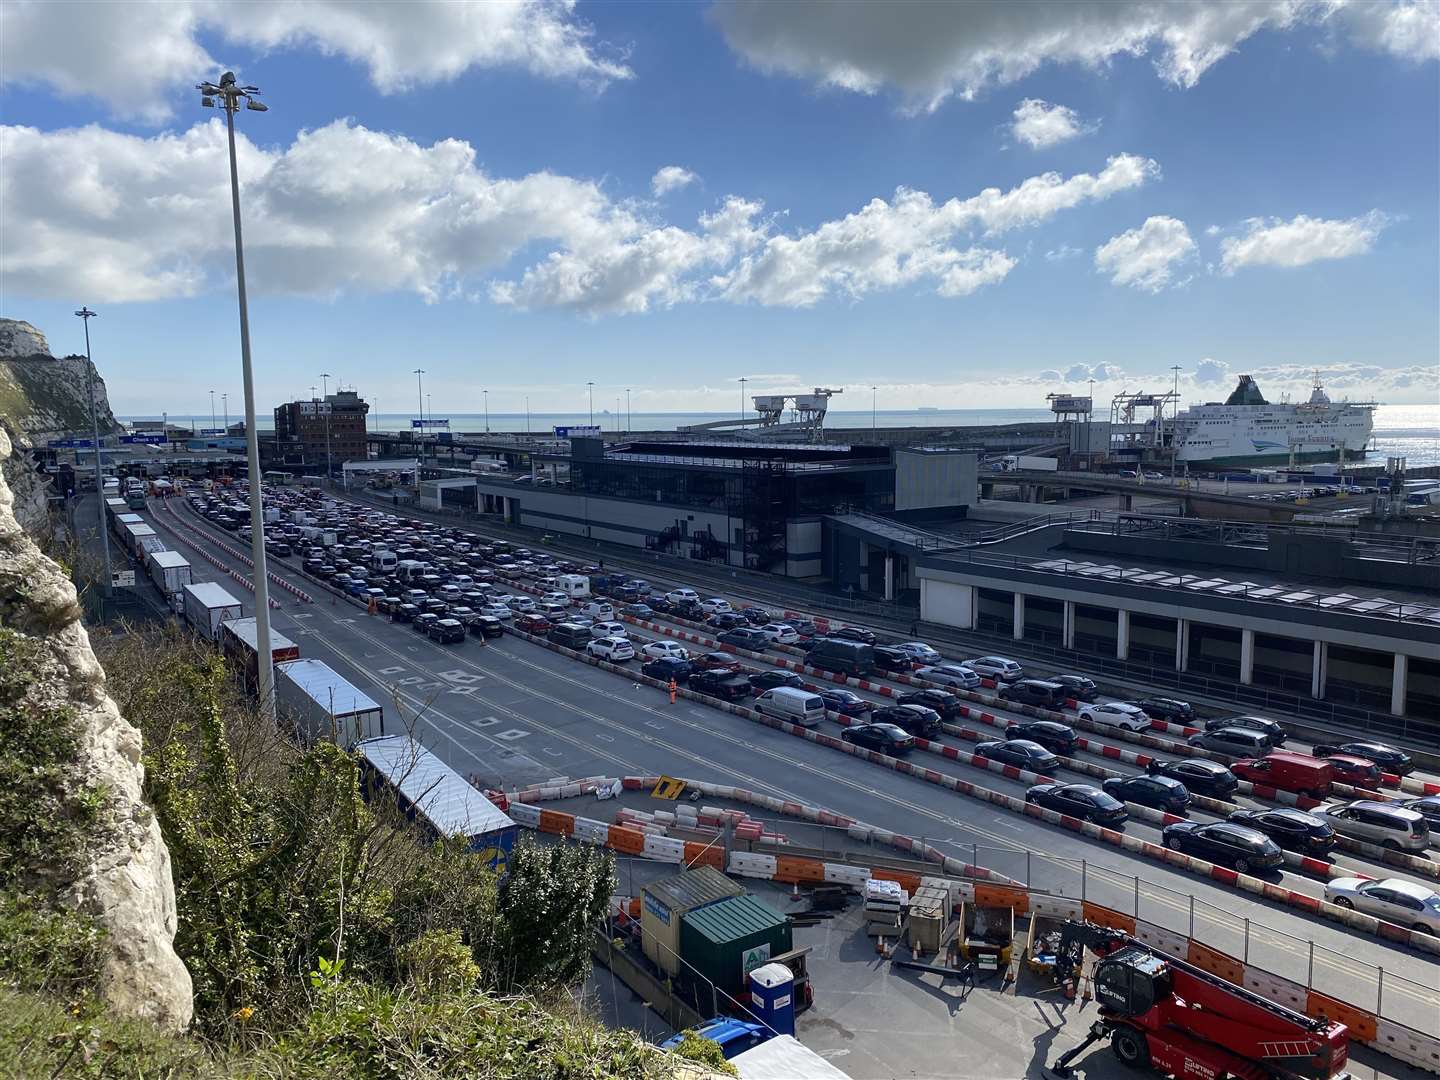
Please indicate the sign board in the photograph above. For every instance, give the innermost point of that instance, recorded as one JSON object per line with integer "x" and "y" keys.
{"x": 759, "y": 956}
{"x": 668, "y": 788}
{"x": 657, "y": 909}
{"x": 1068, "y": 404}
{"x": 430, "y": 422}
{"x": 68, "y": 444}
{"x": 146, "y": 440}
{"x": 314, "y": 408}
{"x": 578, "y": 431}
{"x": 123, "y": 579}
{"x": 211, "y": 431}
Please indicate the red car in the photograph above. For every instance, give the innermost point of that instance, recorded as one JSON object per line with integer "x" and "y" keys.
{"x": 1359, "y": 771}
{"x": 533, "y": 624}
{"x": 715, "y": 661}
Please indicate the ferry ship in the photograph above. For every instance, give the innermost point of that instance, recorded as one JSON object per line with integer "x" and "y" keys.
{"x": 1248, "y": 430}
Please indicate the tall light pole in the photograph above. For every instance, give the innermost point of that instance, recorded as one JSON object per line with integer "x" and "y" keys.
{"x": 420, "y": 393}
{"x": 225, "y": 404}
{"x": 231, "y": 95}
{"x": 86, "y": 315}
{"x": 873, "y": 389}
{"x": 212, "y": 412}
{"x": 629, "y": 416}
{"x": 527, "y": 414}
{"x": 325, "y": 389}
{"x": 743, "y": 381}
{"x": 591, "y": 385}
{"x": 486, "y": 395}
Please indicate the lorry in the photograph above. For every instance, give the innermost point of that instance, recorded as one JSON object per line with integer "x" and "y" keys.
{"x": 1170, "y": 1016}
{"x": 141, "y": 538}
{"x": 207, "y": 607}
{"x": 323, "y": 705}
{"x": 1017, "y": 462}
{"x": 169, "y": 570}
{"x": 135, "y": 498}
{"x": 237, "y": 642}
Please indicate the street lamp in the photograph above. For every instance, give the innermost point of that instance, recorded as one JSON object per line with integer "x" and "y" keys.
{"x": 212, "y": 413}
{"x": 86, "y": 315}
{"x": 486, "y": 394}
{"x": 743, "y": 381}
{"x": 225, "y": 404}
{"x": 325, "y": 388}
{"x": 420, "y": 393}
{"x": 629, "y": 416}
{"x": 872, "y": 409}
{"x": 591, "y": 385}
{"x": 230, "y": 95}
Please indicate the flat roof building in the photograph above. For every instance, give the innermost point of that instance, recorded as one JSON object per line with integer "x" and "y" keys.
{"x": 323, "y": 433}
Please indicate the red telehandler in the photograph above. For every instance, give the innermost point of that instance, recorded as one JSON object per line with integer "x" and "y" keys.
{"x": 1164, "y": 1014}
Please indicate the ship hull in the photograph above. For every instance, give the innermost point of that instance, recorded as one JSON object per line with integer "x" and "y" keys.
{"x": 1260, "y": 460}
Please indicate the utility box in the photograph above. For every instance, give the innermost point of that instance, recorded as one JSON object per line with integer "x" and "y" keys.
{"x": 665, "y": 902}
{"x": 772, "y": 997}
{"x": 722, "y": 943}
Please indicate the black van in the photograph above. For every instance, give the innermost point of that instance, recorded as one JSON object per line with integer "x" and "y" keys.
{"x": 1047, "y": 695}
{"x": 836, "y": 654}
{"x": 571, "y": 635}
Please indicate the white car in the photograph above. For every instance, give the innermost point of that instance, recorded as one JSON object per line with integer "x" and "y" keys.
{"x": 659, "y": 650}
{"x": 715, "y": 606}
{"x": 496, "y": 611}
{"x": 449, "y": 593}
{"x": 780, "y": 633}
{"x": 922, "y": 653}
{"x": 1405, "y": 903}
{"x": 1118, "y": 714}
{"x": 556, "y": 598}
{"x": 957, "y": 676}
{"x": 522, "y": 603}
{"x": 615, "y": 649}
{"x": 609, "y": 629}
{"x": 996, "y": 667}
{"x": 683, "y": 596}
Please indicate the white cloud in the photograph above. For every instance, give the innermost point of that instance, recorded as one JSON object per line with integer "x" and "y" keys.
{"x": 1039, "y": 124}
{"x": 1062, "y": 253}
{"x": 1302, "y": 240}
{"x": 1144, "y": 258}
{"x": 929, "y": 51}
{"x": 671, "y": 178}
{"x": 143, "y": 58}
{"x": 1211, "y": 371}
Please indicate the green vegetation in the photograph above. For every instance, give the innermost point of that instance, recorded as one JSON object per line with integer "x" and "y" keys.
{"x": 695, "y": 1047}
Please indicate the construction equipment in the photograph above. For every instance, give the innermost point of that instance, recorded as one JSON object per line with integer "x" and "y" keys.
{"x": 1165, "y": 1014}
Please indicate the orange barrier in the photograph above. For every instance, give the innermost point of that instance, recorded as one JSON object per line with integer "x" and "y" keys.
{"x": 1215, "y": 962}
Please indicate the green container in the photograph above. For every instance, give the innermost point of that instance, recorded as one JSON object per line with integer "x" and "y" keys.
{"x": 722, "y": 943}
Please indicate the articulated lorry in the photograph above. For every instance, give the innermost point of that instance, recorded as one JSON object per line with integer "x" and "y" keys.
{"x": 323, "y": 705}
{"x": 1025, "y": 463}
{"x": 238, "y": 643}
{"x": 207, "y": 607}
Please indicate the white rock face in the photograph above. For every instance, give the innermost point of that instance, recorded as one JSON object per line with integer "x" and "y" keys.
{"x": 19, "y": 338}
{"x": 128, "y": 888}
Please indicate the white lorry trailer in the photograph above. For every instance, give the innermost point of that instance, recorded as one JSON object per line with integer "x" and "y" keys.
{"x": 323, "y": 705}
{"x": 207, "y": 605}
{"x": 169, "y": 570}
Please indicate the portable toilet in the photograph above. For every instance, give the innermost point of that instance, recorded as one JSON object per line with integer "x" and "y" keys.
{"x": 772, "y": 997}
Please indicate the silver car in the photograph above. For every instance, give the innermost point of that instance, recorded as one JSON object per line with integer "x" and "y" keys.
{"x": 996, "y": 667}
{"x": 952, "y": 675}
{"x": 1405, "y": 903}
{"x": 1383, "y": 823}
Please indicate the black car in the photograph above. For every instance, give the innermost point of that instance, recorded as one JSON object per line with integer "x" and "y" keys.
{"x": 1242, "y": 849}
{"x": 666, "y": 668}
{"x": 805, "y": 628}
{"x": 421, "y": 623}
{"x": 446, "y": 631}
{"x": 487, "y": 626}
{"x": 942, "y": 701}
{"x": 1085, "y": 801}
{"x": 854, "y": 633}
{"x": 756, "y": 616}
{"x": 1041, "y": 692}
{"x": 637, "y": 611}
{"x": 1428, "y": 808}
{"x": 769, "y": 680}
{"x": 1388, "y": 757}
{"x": 1170, "y": 709}
{"x": 689, "y": 609}
{"x": 1292, "y": 829}
{"x": 727, "y": 685}
{"x": 1079, "y": 687}
{"x": 278, "y": 547}
{"x": 1200, "y": 775}
{"x": 726, "y": 620}
{"x": 844, "y": 702}
{"x": 404, "y": 612}
{"x": 386, "y": 605}
{"x": 744, "y": 638}
{"x": 1160, "y": 792}
{"x": 1022, "y": 753}
{"x": 886, "y": 738}
{"x": 1050, "y": 734}
{"x": 887, "y": 658}
{"x": 659, "y": 604}
{"x": 916, "y": 719}
{"x": 1269, "y": 728}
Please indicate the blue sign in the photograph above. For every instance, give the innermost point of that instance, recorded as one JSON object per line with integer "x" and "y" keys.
{"x": 146, "y": 440}
{"x": 68, "y": 444}
{"x": 579, "y": 431}
{"x": 429, "y": 423}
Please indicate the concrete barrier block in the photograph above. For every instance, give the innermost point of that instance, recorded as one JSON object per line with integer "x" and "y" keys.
{"x": 751, "y": 864}
{"x": 843, "y": 874}
{"x": 1410, "y": 1046}
{"x": 594, "y": 832}
{"x": 1060, "y": 907}
{"x": 1273, "y": 988}
{"x": 526, "y": 814}
{"x": 664, "y": 849}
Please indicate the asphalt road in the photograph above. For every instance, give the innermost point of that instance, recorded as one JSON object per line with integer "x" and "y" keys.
{"x": 511, "y": 713}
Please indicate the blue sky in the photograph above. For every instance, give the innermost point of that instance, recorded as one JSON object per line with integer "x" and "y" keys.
{"x": 1274, "y": 210}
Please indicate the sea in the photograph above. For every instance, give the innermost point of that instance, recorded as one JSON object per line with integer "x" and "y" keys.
{"x": 1408, "y": 431}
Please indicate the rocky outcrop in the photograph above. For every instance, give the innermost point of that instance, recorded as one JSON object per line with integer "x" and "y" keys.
{"x": 44, "y": 397}
{"x": 19, "y": 338}
{"x": 127, "y": 886}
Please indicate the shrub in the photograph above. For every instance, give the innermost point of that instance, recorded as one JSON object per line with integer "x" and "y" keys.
{"x": 695, "y": 1047}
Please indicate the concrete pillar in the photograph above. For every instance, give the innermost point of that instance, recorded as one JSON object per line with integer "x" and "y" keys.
{"x": 889, "y": 577}
{"x": 1067, "y": 625}
{"x": 1018, "y": 629}
{"x": 1122, "y": 634}
{"x": 1318, "y": 673}
{"x": 1247, "y": 657}
{"x": 1182, "y": 644}
{"x": 1400, "y": 685}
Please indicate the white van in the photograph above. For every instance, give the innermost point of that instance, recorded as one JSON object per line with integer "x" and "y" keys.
{"x": 600, "y": 609}
{"x": 573, "y": 585}
{"x": 382, "y": 561}
{"x": 792, "y": 704}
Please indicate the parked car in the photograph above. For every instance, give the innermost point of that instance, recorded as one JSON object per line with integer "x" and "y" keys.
{"x": 744, "y": 637}
{"x": 487, "y": 626}
{"x": 1405, "y": 903}
{"x": 533, "y": 624}
{"x": 1267, "y": 727}
{"x": 757, "y": 616}
{"x": 768, "y": 680}
{"x": 666, "y": 668}
{"x": 1171, "y": 710}
{"x": 1243, "y": 850}
{"x": 716, "y": 661}
{"x": 1039, "y": 692}
{"x": 1116, "y": 714}
{"x": 638, "y": 611}
{"x": 714, "y": 606}
{"x": 804, "y": 627}
{"x": 608, "y": 629}
{"x": 1289, "y": 771}
{"x": 404, "y": 613}
{"x": 836, "y": 654}
{"x": 1079, "y": 687}
{"x": 665, "y": 649}
{"x": 447, "y": 631}
{"x": 421, "y": 623}
{"x": 497, "y": 611}
{"x": 1201, "y": 776}
{"x": 1085, "y": 801}
{"x": 1427, "y": 807}
{"x": 1235, "y": 742}
{"x": 1051, "y": 734}
{"x": 1022, "y": 753}
{"x": 916, "y": 719}
{"x": 854, "y": 633}
{"x": 726, "y": 685}
{"x": 1383, "y": 823}
{"x": 884, "y": 738}
{"x": 942, "y": 701}
{"x": 1160, "y": 792}
{"x": 726, "y": 620}
{"x": 615, "y": 649}
{"x": 890, "y": 659}
{"x": 999, "y": 668}
{"x": 682, "y": 596}
{"x": 921, "y": 652}
{"x": 1292, "y": 829}
{"x": 780, "y": 633}
{"x": 1358, "y": 771}
{"x": 844, "y": 702}
{"x": 1388, "y": 757}
{"x": 957, "y": 676}
{"x": 570, "y": 635}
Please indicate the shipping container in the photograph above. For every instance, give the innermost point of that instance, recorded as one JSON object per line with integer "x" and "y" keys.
{"x": 323, "y": 705}
{"x": 436, "y": 796}
{"x": 169, "y": 570}
{"x": 207, "y": 606}
{"x": 666, "y": 902}
{"x": 721, "y": 943}
{"x": 237, "y": 642}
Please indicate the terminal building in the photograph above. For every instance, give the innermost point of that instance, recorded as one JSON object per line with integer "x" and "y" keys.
{"x": 322, "y": 432}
